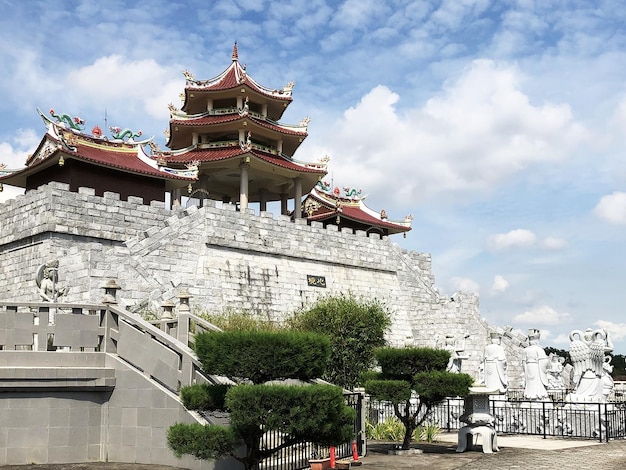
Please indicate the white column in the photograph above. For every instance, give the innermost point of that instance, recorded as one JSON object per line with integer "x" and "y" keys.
{"x": 297, "y": 198}
{"x": 243, "y": 186}
{"x": 264, "y": 110}
{"x": 279, "y": 146}
{"x": 209, "y": 105}
{"x": 194, "y": 138}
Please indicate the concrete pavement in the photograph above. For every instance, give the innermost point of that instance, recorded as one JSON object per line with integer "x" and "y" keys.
{"x": 516, "y": 452}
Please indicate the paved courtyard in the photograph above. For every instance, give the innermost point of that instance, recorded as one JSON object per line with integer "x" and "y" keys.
{"x": 525, "y": 453}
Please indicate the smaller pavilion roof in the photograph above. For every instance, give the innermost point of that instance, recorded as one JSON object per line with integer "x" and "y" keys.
{"x": 323, "y": 204}
{"x": 65, "y": 140}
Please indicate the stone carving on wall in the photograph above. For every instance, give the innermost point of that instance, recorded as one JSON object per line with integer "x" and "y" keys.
{"x": 592, "y": 365}
{"x": 494, "y": 365}
{"x": 535, "y": 366}
{"x": 47, "y": 282}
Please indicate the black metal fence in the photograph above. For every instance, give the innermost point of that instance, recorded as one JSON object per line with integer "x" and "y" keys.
{"x": 296, "y": 457}
{"x": 601, "y": 421}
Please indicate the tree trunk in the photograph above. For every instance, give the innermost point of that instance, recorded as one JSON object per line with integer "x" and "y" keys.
{"x": 408, "y": 434}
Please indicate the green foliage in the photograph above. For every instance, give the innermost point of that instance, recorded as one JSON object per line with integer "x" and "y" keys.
{"x": 355, "y": 328}
{"x": 203, "y": 442}
{"x": 395, "y": 391}
{"x": 432, "y": 387}
{"x": 240, "y": 321}
{"x": 619, "y": 367}
{"x": 261, "y": 356}
{"x": 204, "y": 397}
{"x": 391, "y": 429}
{"x": 316, "y": 413}
{"x": 404, "y": 363}
{"x": 428, "y": 432}
{"x": 422, "y": 370}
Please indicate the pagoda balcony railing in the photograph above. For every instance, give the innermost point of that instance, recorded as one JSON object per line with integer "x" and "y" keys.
{"x": 255, "y": 146}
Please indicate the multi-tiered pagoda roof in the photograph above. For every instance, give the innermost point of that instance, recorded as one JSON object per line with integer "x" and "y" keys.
{"x": 230, "y": 126}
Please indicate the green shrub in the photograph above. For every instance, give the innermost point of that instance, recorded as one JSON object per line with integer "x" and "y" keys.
{"x": 391, "y": 429}
{"x": 240, "y": 321}
{"x": 203, "y": 442}
{"x": 395, "y": 391}
{"x": 261, "y": 356}
{"x": 204, "y": 397}
{"x": 355, "y": 328}
{"x": 434, "y": 386}
{"x": 404, "y": 363}
{"x": 313, "y": 412}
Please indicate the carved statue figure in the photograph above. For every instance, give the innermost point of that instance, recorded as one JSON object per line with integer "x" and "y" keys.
{"x": 47, "y": 279}
{"x": 587, "y": 351}
{"x": 535, "y": 363}
{"x": 494, "y": 365}
{"x": 456, "y": 353}
{"x": 555, "y": 372}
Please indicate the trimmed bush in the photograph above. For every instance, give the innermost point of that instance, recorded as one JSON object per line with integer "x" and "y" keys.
{"x": 395, "y": 391}
{"x": 260, "y": 356}
{"x": 203, "y": 442}
{"x": 204, "y": 397}
{"x": 404, "y": 363}
{"x": 355, "y": 328}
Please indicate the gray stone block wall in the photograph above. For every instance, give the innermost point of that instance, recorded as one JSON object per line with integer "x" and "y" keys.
{"x": 228, "y": 260}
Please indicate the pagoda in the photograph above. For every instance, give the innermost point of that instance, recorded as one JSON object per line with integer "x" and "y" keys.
{"x": 229, "y": 127}
{"x": 346, "y": 208}
{"x": 118, "y": 164}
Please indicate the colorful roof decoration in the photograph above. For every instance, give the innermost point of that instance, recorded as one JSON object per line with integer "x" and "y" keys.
{"x": 345, "y": 207}
{"x": 65, "y": 140}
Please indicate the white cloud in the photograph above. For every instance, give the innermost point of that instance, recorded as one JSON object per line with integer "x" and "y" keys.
{"x": 499, "y": 284}
{"x": 617, "y": 331}
{"x": 477, "y": 132}
{"x": 543, "y": 315}
{"x": 553, "y": 243}
{"x": 462, "y": 284}
{"x": 612, "y": 208}
{"x": 514, "y": 238}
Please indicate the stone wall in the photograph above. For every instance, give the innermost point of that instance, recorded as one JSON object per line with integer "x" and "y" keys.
{"x": 226, "y": 259}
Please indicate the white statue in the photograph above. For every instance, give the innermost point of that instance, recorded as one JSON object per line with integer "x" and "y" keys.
{"x": 494, "y": 365}
{"x": 535, "y": 362}
{"x": 587, "y": 351}
{"x": 456, "y": 353}
{"x": 47, "y": 279}
{"x": 555, "y": 372}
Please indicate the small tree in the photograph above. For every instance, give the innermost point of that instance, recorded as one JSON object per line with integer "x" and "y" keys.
{"x": 355, "y": 328}
{"x": 315, "y": 413}
{"x": 419, "y": 370}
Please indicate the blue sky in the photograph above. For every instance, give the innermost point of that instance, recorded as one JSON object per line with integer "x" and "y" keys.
{"x": 499, "y": 125}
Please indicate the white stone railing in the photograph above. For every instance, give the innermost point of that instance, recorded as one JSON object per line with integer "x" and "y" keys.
{"x": 104, "y": 328}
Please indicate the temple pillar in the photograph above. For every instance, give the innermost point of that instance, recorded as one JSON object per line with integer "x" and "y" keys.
{"x": 242, "y": 136}
{"x": 243, "y": 186}
{"x": 176, "y": 197}
{"x": 264, "y": 110}
{"x": 209, "y": 105}
{"x": 297, "y": 198}
{"x": 279, "y": 146}
{"x": 262, "y": 199}
{"x": 194, "y": 138}
{"x": 239, "y": 102}
{"x": 283, "y": 203}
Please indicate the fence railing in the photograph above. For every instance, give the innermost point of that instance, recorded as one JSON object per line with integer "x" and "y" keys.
{"x": 601, "y": 421}
{"x": 297, "y": 457}
{"x": 103, "y": 328}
